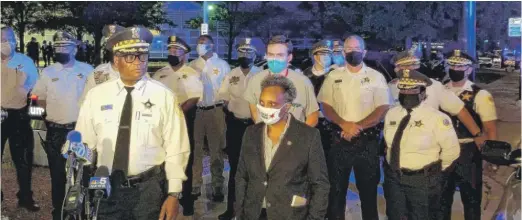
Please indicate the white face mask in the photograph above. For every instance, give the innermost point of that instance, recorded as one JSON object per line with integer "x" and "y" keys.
{"x": 269, "y": 116}
{"x": 6, "y": 49}
{"x": 202, "y": 49}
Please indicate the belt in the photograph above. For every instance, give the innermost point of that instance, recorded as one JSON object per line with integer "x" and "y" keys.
{"x": 132, "y": 181}
{"x": 205, "y": 108}
{"x": 466, "y": 140}
{"x": 69, "y": 126}
{"x": 242, "y": 120}
{"x": 374, "y": 131}
{"x": 431, "y": 168}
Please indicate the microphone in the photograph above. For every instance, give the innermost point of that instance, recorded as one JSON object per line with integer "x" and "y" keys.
{"x": 74, "y": 145}
{"x": 101, "y": 185}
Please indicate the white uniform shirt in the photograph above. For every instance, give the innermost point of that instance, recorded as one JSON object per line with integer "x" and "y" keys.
{"x": 483, "y": 104}
{"x": 102, "y": 73}
{"x": 233, "y": 89}
{"x": 428, "y": 137}
{"x": 158, "y": 134}
{"x": 185, "y": 82}
{"x": 304, "y": 104}
{"x": 213, "y": 72}
{"x": 354, "y": 96}
{"x": 19, "y": 75}
{"x": 437, "y": 97}
{"x": 62, "y": 88}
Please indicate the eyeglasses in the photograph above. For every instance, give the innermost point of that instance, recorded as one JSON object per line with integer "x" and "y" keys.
{"x": 130, "y": 58}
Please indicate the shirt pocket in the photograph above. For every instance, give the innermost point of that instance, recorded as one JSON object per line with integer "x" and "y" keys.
{"x": 419, "y": 135}
{"x": 147, "y": 128}
{"x": 107, "y": 122}
{"x": 337, "y": 92}
{"x": 366, "y": 94}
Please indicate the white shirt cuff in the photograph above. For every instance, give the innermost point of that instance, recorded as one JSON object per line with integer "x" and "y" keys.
{"x": 175, "y": 185}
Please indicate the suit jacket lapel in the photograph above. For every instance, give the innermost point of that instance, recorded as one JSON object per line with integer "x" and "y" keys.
{"x": 285, "y": 145}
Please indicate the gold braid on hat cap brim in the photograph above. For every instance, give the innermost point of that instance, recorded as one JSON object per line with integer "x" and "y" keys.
{"x": 177, "y": 45}
{"x": 407, "y": 61}
{"x": 129, "y": 44}
{"x": 459, "y": 61}
{"x": 408, "y": 83}
{"x": 246, "y": 49}
{"x": 133, "y": 50}
{"x": 322, "y": 49}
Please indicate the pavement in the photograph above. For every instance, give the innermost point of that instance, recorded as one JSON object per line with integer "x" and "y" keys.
{"x": 504, "y": 91}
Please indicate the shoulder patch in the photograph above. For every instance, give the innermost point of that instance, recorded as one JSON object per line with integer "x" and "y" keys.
{"x": 446, "y": 123}
{"x": 100, "y": 77}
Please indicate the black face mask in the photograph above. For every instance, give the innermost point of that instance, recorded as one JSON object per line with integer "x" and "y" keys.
{"x": 409, "y": 101}
{"x": 245, "y": 62}
{"x": 62, "y": 58}
{"x": 173, "y": 60}
{"x": 456, "y": 75}
{"x": 354, "y": 58}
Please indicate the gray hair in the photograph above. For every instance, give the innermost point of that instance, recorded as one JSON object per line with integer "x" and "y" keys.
{"x": 362, "y": 44}
{"x": 288, "y": 87}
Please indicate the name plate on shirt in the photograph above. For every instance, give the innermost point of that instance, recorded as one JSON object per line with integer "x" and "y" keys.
{"x": 106, "y": 107}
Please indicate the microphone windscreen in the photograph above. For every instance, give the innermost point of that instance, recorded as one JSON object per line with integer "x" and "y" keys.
{"x": 74, "y": 136}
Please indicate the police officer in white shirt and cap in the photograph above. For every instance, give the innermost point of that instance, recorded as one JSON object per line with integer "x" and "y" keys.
{"x": 210, "y": 118}
{"x": 437, "y": 96}
{"x": 19, "y": 74}
{"x": 104, "y": 71}
{"x": 186, "y": 84}
{"x": 355, "y": 98}
{"x": 237, "y": 112}
{"x": 337, "y": 54}
{"x": 467, "y": 174}
{"x": 421, "y": 144}
{"x": 138, "y": 130}
{"x": 58, "y": 90}
{"x": 278, "y": 55}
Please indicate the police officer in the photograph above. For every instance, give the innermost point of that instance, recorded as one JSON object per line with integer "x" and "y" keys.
{"x": 467, "y": 174}
{"x": 210, "y": 118}
{"x": 421, "y": 143}
{"x": 438, "y": 97}
{"x": 237, "y": 113}
{"x": 138, "y": 129}
{"x": 434, "y": 67}
{"x": 104, "y": 71}
{"x": 58, "y": 90}
{"x": 186, "y": 84}
{"x": 355, "y": 98}
{"x": 19, "y": 74}
{"x": 337, "y": 55}
{"x": 322, "y": 63}
{"x": 279, "y": 54}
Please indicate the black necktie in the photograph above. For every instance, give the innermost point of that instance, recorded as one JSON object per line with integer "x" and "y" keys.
{"x": 395, "y": 156}
{"x": 121, "y": 155}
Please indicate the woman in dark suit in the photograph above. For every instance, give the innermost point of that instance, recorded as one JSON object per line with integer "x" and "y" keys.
{"x": 282, "y": 170}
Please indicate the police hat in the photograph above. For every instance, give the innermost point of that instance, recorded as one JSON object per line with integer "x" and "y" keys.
{"x": 62, "y": 38}
{"x": 459, "y": 58}
{"x": 130, "y": 40}
{"x": 412, "y": 79}
{"x": 245, "y": 46}
{"x": 337, "y": 46}
{"x": 324, "y": 46}
{"x": 175, "y": 41}
{"x": 406, "y": 58}
{"x": 111, "y": 29}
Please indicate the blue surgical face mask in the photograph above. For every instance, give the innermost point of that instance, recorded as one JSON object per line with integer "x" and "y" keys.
{"x": 338, "y": 60}
{"x": 276, "y": 66}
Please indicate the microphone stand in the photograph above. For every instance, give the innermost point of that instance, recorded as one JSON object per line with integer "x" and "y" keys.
{"x": 98, "y": 194}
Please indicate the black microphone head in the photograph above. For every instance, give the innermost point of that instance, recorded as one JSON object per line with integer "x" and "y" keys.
{"x": 117, "y": 177}
{"x": 102, "y": 171}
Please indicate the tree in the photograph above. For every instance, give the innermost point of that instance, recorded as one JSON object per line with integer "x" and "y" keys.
{"x": 492, "y": 20}
{"x": 229, "y": 19}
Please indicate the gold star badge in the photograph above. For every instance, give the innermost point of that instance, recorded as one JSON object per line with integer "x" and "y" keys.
{"x": 406, "y": 73}
{"x": 215, "y": 71}
{"x": 418, "y": 123}
{"x": 466, "y": 96}
{"x": 80, "y": 76}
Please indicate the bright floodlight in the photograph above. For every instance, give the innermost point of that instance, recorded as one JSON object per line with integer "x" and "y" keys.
{"x": 210, "y": 7}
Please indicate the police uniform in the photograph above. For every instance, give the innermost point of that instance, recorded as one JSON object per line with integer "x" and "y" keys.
{"x": 238, "y": 116}
{"x": 317, "y": 79}
{"x": 467, "y": 174}
{"x": 61, "y": 87}
{"x": 354, "y": 96}
{"x": 210, "y": 123}
{"x": 103, "y": 72}
{"x": 19, "y": 75}
{"x": 421, "y": 143}
{"x": 337, "y": 54}
{"x": 186, "y": 84}
{"x": 143, "y": 122}
{"x": 438, "y": 96}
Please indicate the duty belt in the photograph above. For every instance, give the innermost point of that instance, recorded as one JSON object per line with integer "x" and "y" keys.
{"x": 205, "y": 108}
{"x": 132, "y": 181}
{"x": 428, "y": 170}
{"x": 69, "y": 126}
{"x": 242, "y": 120}
{"x": 373, "y": 131}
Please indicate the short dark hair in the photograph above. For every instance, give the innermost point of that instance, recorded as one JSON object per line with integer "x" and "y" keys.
{"x": 281, "y": 39}
{"x": 208, "y": 37}
{"x": 289, "y": 90}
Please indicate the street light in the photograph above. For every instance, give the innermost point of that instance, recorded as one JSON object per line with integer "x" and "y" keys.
{"x": 210, "y": 7}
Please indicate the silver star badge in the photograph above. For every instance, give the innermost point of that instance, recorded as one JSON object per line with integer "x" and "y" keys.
{"x": 148, "y": 104}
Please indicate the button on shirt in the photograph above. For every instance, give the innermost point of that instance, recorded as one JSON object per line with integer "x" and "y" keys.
{"x": 483, "y": 103}
{"x": 233, "y": 88}
{"x": 158, "y": 131}
{"x": 102, "y": 73}
{"x": 19, "y": 75}
{"x": 437, "y": 97}
{"x": 62, "y": 88}
{"x": 213, "y": 72}
{"x": 428, "y": 137}
{"x": 354, "y": 96}
{"x": 271, "y": 148}
{"x": 185, "y": 82}
{"x": 304, "y": 104}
